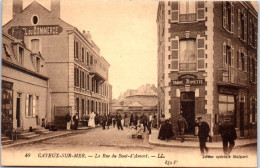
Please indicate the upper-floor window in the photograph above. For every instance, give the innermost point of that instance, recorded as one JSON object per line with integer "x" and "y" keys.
{"x": 228, "y": 16}
{"x": 187, "y": 11}
{"x": 252, "y": 32}
{"x": 188, "y": 54}
{"x": 242, "y": 25}
{"x": 228, "y": 55}
{"x": 242, "y": 60}
{"x": 76, "y": 50}
{"x": 253, "y": 68}
{"x": 21, "y": 56}
{"x": 37, "y": 64}
{"x": 35, "y": 45}
{"x": 91, "y": 60}
{"x": 83, "y": 55}
{"x": 87, "y": 58}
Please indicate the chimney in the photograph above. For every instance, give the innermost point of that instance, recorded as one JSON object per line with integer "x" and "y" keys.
{"x": 55, "y": 7}
{"x": 88, "y": 35}
{"x": 17, "y": 7}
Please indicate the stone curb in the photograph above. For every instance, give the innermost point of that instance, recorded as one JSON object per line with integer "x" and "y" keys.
{"x": 44, "y": 138}
{"x": 191, "y": 146}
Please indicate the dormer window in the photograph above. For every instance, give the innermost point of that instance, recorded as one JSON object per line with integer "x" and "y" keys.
{"x": 38, "y": 64}
{"x": 21, "y": 56}
{"x": 7, "y": 52}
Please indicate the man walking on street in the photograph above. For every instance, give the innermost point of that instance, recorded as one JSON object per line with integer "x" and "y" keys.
{"x": 149, "y": 126}
{"x": 68, "y": 119}
{"x": 182, "y": 125}
{"x": 118, "y": 121}
{"x": 104, "y": 121}
{"x": 203, "y": 134}
{"x": 228, "y": 134}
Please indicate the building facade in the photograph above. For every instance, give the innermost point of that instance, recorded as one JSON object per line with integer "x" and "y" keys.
{"x": 78, "y": 73}
{"x": 207, "y": 63}
{"x": 25, "y": 88}
{"x": 141, "y": 100}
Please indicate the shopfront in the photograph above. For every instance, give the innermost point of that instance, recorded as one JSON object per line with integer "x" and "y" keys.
{"x": 7, "y": 107}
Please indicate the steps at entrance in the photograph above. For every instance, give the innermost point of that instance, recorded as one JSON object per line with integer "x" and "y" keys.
{"x": 27, "y": 135}
{"x": 5, "y": 140}
{"x": 42, "y": 131}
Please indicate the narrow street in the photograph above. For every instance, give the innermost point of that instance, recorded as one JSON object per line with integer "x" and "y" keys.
{"x": 95, "y": 146}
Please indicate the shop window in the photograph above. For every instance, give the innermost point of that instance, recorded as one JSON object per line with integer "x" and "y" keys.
{"x": 187, "y": 11}
{"x": 226, "y": 107}
{"x": 187, "y": 55}
{"x": 35, "y": 45}
{"x": 228, "y": 16}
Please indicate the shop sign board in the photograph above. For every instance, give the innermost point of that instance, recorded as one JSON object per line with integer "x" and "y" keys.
{"x": 227, "y": 90}
{"x": 188, "y": 79}
{"x": 35, "y": 30}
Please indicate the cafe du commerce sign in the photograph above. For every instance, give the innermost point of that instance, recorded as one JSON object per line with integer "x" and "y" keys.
{"x": 188, "y": 79}
{"x": 35, "y": 30}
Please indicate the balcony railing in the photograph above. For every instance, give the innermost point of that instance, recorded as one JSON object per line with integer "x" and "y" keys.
{"x": 96, "y": 69}
{"x": 233, "y": 76}
{"x": 188, "y": 67}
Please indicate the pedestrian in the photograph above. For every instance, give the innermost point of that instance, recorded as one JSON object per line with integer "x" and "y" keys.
{"x": 91, "y": 121}
{"x": 68, "y": 120}
{"x": 135, "y": 120}
{"x": 104, "y": 121}
{"x": 131, "y": 119}
{"x": 182, "y": 125}
{"x": 149, "y": 125}
{"x": 203, "y": 134}
{"x": 118, "y": 120}
{"x": 114, "y": 120}
{"x": 144, "y": 121}
{"x": 166, "y": 131}
{"x": 125, "y": 118}
{"x": 154, "y": 123}
{"x": 109, "y": 120}
{"x": 96, "y": 119}
{"x": 76, "y": 121}
{"x": 228, "y": 134}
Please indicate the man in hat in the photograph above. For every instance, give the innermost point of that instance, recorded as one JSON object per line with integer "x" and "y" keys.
{"x": 182, "y": 125}
{"x": 228, "y": 134}
{"x": 203, "y": 134}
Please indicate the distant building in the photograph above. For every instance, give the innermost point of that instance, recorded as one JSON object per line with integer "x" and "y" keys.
{"x": 141, "y": 100}
{"x": 25, "y": 87}
{"x": 79, "y": 75}
{"x": 207, "y": 63}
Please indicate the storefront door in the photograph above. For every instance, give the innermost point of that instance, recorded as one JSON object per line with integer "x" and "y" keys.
{"x": 241, "y": 119}
{"x": 18, "y": 100}
{"x": 188, "y": 110}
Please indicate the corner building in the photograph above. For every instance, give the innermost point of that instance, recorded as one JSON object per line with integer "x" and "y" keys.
{"x": 207, "y": 63}
{"x": 78, "y": 74}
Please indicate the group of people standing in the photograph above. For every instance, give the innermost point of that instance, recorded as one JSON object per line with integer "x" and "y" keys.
{"x": 202, "y": 129}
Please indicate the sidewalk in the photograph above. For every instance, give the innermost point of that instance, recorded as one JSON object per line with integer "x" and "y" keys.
{"x": 153, "y": 140}
{"x": 51, "y": 135}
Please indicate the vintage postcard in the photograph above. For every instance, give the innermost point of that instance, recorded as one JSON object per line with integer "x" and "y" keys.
{"x": 129, "y": 83}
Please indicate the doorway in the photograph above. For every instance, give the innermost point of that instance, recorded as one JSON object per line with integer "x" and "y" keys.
{"x": 241, "y": 119}
{"x": 188, "y": 110}
{"x": 18, "y": 112}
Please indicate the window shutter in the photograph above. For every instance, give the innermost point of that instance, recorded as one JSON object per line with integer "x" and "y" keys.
{"x": 224, "y": 15}
{"x": 200, "y": 10}
{"x": 175, "y": 11}
{"x": 34, "y": 106}
{"x": 232, "y": 17}
{"x": 245, "y": 62}
{"x": 232, "y": 56}
{"x": 27, "y": 106}
{"x": 255, "y": 34}
{"x": 239, "y": 23}
{"x": 224, "y": 55}
{"x": 201, "y": 53}
{"x": 250, "y": 32}
{"x": 175, "y": 54}
{"x": 245, "y": 27}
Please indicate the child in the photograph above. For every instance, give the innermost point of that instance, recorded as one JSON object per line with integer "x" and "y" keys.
{"x": 139, "y": 132}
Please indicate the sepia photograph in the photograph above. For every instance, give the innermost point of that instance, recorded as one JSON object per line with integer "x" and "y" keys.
{"x": 129, "y": 83}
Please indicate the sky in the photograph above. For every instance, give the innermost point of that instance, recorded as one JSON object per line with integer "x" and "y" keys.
{"x": 125, "y": 31}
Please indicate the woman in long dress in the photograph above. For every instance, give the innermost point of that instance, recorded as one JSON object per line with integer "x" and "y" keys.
{"x": 91, "y": 122}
